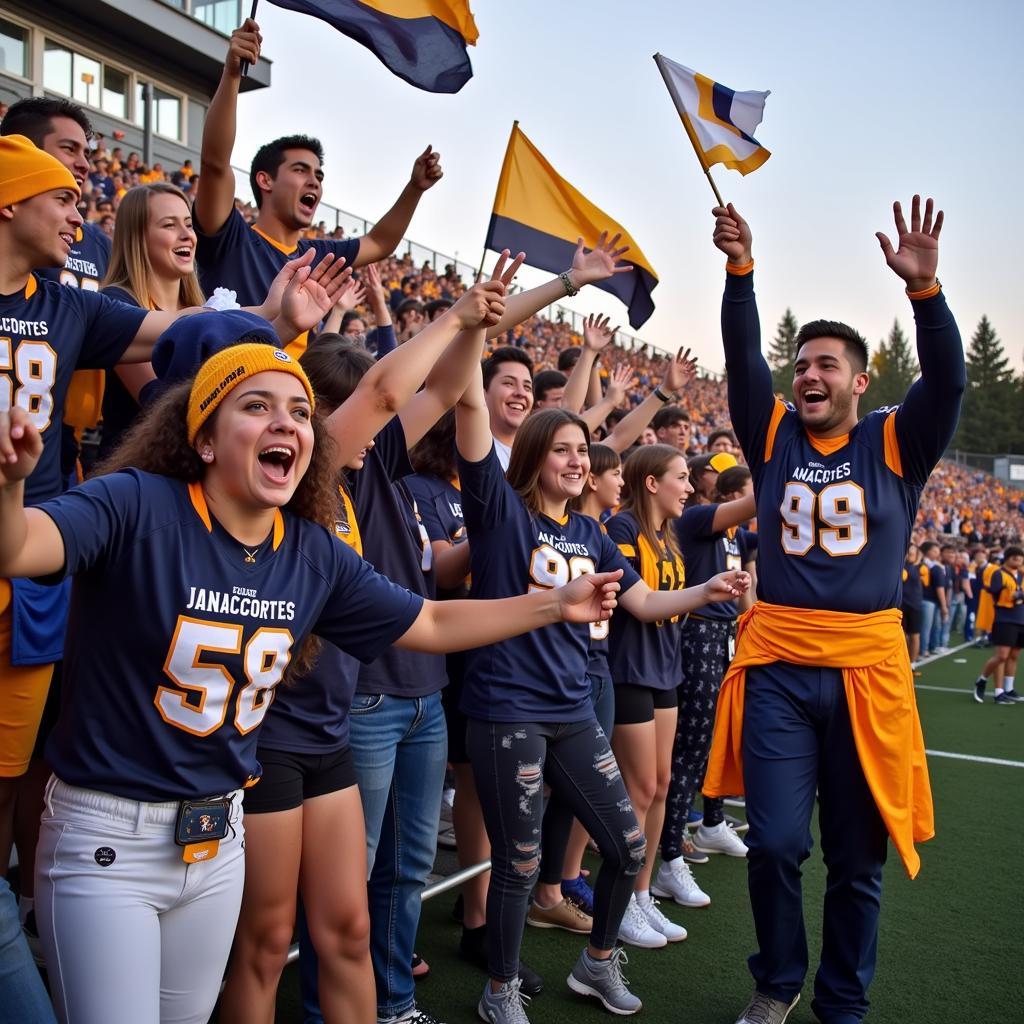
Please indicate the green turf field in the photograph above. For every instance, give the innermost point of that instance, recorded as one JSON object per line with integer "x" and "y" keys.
{"x": 950, "y": 941}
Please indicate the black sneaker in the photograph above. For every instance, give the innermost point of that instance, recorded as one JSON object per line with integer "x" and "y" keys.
{"x": 1004, "y": 698}
{"x": 979, "y": 691}
{"x": 1017, "y": 698}
{"x": 473, "y": 949}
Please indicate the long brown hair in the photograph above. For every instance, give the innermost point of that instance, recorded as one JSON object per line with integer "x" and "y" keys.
{"x": 532, "y": 444}
{"x": 648, "y": 460}
{"x": 335, "y": 365}
{"x": 130, "y": 267}
{"x": 157, "y": 442}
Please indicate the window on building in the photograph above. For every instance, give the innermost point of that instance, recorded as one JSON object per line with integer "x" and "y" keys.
{"x": 13, "y": 48}
{"x": 223, "y": 15}
{"x": 166, "y": 110}
{"x": 56, "y": 68}
{"x": 115, "y": 92}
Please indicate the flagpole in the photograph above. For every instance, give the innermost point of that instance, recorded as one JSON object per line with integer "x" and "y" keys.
{"x": 252, "y": 15}
{"x": 691, "y": 134}
{"x": 480, "y": 271}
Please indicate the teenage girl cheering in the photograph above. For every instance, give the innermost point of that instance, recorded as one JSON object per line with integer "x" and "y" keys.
{"x": 206, "y": 567}
{"x": 528, "y": 701}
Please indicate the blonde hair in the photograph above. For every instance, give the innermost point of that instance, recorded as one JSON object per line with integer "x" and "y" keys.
{"x": 130, "y": 267}
{"x": 649, "y": 460}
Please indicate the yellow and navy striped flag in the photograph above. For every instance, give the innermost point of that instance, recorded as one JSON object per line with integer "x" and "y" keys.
{"x": 422, "y": 41}
{"x": 538, "y": 212}
{"x": 720, "y": 121}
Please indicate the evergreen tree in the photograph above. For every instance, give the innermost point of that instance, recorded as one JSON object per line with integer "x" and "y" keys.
{"x": 782, "y": 353}
{"x": 893, "y": 369}
{"x": 988, "y": 422}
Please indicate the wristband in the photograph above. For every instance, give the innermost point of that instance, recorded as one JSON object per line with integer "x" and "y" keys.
{"x": 566, "y": 280}
{"x": 926, "y": 293}
{"x": 739, "y": 269}
{"x": 658, "y": 393}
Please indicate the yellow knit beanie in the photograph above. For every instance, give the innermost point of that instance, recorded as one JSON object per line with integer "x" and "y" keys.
{"x": 223, "y": 372}
{"x": 27, "y": 171}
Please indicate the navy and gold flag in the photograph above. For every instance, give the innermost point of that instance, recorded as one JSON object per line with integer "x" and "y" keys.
{"x": 538, "y": 212}
{"x": 421, "y": 41}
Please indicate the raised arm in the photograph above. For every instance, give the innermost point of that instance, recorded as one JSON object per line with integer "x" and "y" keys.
{"x": 216, "y": 198}
{"x": 453, "y": 372}
{"x": 596, "y": 337}
{"x": 30, "y": 543}
{"x": 597, "y": 264}
{"x": 613, "y": 397}
{"x": 377, "y": 300}
{"x": 383, "y": 238}
{"x": 389, "y": 384}
{"x": 473, "y": 438}
{"x": 444, "y": 626}
{"x": 927, "y": 419}
{"x": 734, "y": 513}
{"x": 653, "y": 605}
{"x": 751, "y": 399}
{"x": 352, "y": 294}
{"x": 679, "y": 371}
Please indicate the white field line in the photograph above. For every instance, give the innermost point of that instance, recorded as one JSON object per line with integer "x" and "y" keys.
{"x": 973, "y": 757}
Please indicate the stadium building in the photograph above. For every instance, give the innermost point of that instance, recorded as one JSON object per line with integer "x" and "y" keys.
{"x": 144, "y": 69}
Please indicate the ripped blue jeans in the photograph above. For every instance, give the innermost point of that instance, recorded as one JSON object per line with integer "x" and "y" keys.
{"x": 511, "y": 762}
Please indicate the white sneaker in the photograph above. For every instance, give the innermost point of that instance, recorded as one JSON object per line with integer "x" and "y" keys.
{"x": 719, "y": 839}
{"x": 675, "y": 881}
{"x": 636, "y": 929}
{"x": 660, "y": 923}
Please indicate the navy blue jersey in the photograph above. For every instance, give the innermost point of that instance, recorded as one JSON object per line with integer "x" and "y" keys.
{"x": 834, "y": 515}
{"x": 119, "y": 407}
{"x": 1006, "y": 588}
{"x": 645, "y": 653}
{"x": 439, "y": 503}
{"x": 395, "y": 544}
{"x": 541, "y": 676}
{"x": 913, "y": 579}
{"x": 933, "y": 579}
{"x": 244, "y": 259}
{"x": 175, "y": 642}
{"x": 87, "y": 262}
{"x": 47, "y": 332}
{"x": 311, "y": 716}
{"x": 597, "y": 656}
{"x": 707, "y": 553}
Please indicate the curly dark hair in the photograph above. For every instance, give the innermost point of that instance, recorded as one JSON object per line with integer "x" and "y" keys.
{"x": 158, "y": 443}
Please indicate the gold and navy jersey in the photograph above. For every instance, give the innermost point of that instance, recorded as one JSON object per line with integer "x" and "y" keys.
{"x": 913, "y": 580}
{"x": 47, "y": 332}
{"x": 540, "y": 676}
{"x": 933, "y": 579}
{"x": 707, "y": 553}
{"x": 1005, "y": 587}
{"x": 986, "y": 602}
{"x": 178, "y": 636}
{"x": 244, "y": 259}
{"x": 440, "y": 508}
{"x": 645, "y": 653}
{"x": 834, "y": 515}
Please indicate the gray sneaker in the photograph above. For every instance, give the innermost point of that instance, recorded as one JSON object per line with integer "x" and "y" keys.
{"x": 506, "y": 1006}
{"x": 603, "y": 979}
{"x": 763, "y": 1009}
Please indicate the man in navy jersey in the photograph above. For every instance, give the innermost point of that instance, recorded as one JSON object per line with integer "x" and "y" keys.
{"x": 819, "y": 699}
{"x": 287, "y": 184}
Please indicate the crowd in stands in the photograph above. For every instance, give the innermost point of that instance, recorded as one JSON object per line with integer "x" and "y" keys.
{"x": 958, "y": 501}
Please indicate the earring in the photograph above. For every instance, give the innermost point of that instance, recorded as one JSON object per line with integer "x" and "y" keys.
{"x": 207, "y": 455}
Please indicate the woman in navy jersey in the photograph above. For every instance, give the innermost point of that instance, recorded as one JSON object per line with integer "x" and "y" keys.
{"x": 644, "y": 663}
{"x": 711, "y": 540}
{"x": 199, "y": 576}
{"x": 528, "y": 701}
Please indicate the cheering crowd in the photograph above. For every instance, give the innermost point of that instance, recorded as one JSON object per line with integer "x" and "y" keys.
{"x": 312, "y": 454}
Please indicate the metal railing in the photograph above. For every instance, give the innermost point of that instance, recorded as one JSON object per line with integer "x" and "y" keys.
{"x": 442, "y": 885}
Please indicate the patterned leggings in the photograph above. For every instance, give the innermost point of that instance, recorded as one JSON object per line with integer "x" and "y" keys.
{"x": 705, "y": 657}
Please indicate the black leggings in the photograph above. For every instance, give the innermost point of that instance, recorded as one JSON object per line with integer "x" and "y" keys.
{"x": 705, "y": 657}
{"x": 511, "y": 761}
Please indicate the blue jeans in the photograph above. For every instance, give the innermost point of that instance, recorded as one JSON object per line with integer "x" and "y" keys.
{"x": 23, "y": 999}
{"x": 400, "y": 749}
{"x": 957, "y": 617}
{"x": 930, "y": 612}
{"x": 797, "y": 740}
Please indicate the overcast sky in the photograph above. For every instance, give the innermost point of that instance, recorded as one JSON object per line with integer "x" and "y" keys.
{"x": 870, "y": 102}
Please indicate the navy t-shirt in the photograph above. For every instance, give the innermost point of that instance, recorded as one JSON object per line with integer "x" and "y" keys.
{"x": 540, "y": 676}
{"x": 912, "y": 579}
{"x": 176, "y": 643}
{"x": 48, "y": 331}
{"x": 244, "y": 259}
{"x": 395, "y": 544}
{"x": 440, "y": 507}
{"x": 933, "y": 580}
{"x": 707, "y": 553}
{"x": 645, "y": 653}
{"x": 87, "y": 262}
